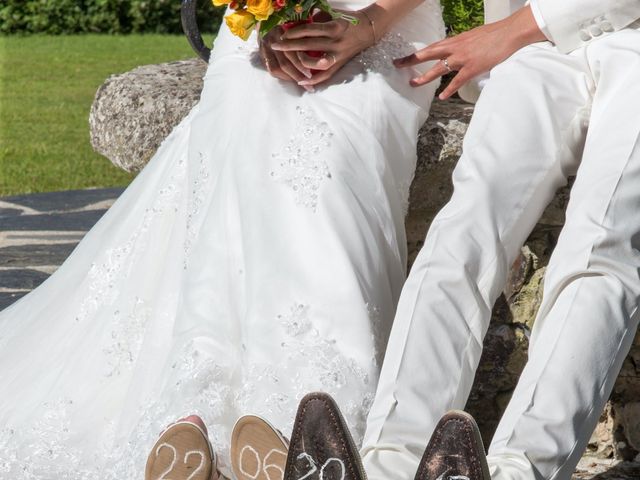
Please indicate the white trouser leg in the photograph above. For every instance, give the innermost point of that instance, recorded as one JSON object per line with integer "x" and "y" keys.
{"x": 524, "y": 139}
{"x": 588, "y": 317}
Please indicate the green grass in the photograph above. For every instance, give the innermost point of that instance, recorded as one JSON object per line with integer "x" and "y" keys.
{"x": 462, "y": 15}
{"x": 47, "y": 84}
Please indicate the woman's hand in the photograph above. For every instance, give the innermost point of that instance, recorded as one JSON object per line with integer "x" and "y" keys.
{"x": 283, "y": 65}
{"x": 476, "y": 51}
{"x": 338, "y": 40}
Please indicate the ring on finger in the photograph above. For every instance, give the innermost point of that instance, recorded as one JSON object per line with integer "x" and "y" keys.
{"x": 333, "y": 57}
{"x": 445, "y": 62}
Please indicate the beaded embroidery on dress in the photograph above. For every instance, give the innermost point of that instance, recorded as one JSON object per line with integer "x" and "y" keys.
{"x": 259, "y": 256}
{"x": 300, "y": 165}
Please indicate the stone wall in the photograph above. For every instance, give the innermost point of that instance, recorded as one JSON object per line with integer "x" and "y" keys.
{"x": 133, "y": 112}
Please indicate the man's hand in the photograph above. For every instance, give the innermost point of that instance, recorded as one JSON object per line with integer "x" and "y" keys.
{"x": 476, "y": 51}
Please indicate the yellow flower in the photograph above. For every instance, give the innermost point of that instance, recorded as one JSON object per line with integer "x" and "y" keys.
{"x": 261, "y": 9}
{"x": 220, "y": 3}
{"x": 240, "y": 23}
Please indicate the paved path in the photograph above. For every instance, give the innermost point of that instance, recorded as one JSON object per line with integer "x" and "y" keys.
{"x": 37, "y": 232}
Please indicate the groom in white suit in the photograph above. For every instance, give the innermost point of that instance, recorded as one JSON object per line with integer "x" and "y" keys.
{"x": 562, "y": 98}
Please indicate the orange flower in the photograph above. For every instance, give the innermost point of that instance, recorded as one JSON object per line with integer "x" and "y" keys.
{"x": 240, "y": 23}
{"x": 261, "y": 9}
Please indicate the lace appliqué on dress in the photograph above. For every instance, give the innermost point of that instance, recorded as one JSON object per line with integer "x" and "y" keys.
{"x": 320, "y": 365}
{"x": 197, "y": 385}
{"x": 126, "y": 338}
{"x": 116, "y": 263}
{"x": 379, "y": 57}
{"x": 47, "y": 455}
{"x": 194, "y": 204}
{"x": 299, "y": 164}
{"x": 49, "y": 449}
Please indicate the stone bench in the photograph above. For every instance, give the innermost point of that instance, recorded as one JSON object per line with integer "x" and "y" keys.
{"x": 133, "y": 112}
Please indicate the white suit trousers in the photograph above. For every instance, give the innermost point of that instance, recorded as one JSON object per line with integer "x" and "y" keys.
{"x": 542, "y": 116}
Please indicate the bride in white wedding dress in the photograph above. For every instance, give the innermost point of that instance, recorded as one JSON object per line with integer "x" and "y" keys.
{"x": 258, "y": 256}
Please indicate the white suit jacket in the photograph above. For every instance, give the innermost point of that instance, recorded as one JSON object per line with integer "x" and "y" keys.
{"x": 569, "y": 24}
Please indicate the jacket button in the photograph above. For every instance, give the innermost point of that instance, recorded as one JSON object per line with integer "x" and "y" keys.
{"x": 595, "y": 31}
{"x": 606, "y": 27}
{"x": 585, "y": 36}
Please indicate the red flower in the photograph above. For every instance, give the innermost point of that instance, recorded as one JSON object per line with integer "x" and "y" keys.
{"x": 279, "y": 4}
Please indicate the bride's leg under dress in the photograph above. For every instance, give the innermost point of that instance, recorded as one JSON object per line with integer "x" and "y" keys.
{"x": 259, "y": 255}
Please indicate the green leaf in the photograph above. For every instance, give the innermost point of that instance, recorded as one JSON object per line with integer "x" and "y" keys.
{"x": 270, "y": 23}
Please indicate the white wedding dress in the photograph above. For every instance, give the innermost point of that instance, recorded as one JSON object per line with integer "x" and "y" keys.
{"x": 259, "y": 256}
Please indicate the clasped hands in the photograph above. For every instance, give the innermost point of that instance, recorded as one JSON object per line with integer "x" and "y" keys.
{"x": 284, "y": 53}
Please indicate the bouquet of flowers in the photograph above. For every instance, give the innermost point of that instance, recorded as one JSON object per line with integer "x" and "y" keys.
{"x": 268, "y": 14}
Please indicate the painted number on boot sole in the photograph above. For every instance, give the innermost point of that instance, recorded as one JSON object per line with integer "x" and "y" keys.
{"x": 262, "y": 465}
{"x": 164, "y": 474}
{"x": 452, "y": 477}
{"x": 313, "y": 465}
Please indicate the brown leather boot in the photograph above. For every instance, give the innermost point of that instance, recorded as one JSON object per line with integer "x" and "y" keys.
{"x": 321, "y": 446}
{"x": 455, "y": 451}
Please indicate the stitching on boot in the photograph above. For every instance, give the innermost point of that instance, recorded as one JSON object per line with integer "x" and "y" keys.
{"x": 436, "y": 440}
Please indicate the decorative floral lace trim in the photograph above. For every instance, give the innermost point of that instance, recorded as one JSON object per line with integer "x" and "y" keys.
{"x": 378, "y": 58}
{"x": 319, "y": 365}
{"x": 197, "y": 384}
{"x": 49, "y": 449}
{"x": 196, "y": 199}
{"x": 127, "y": 332}
{"x": 299, "y": 164}
{"x": 104, "y": 275}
